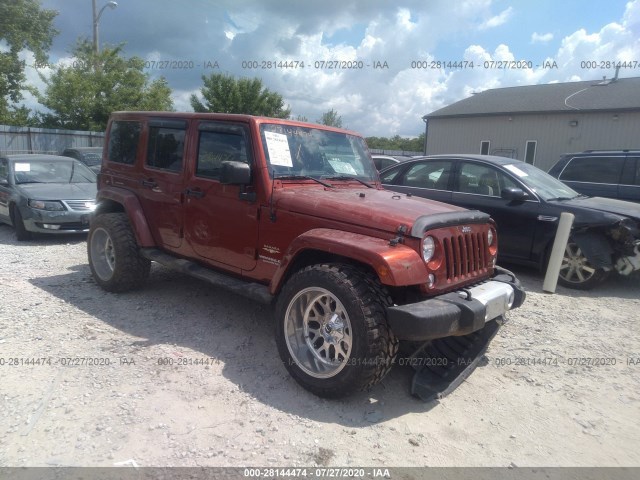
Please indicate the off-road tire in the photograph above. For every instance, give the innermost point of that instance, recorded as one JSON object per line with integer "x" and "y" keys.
{"x": 122, "y": 268}
{"x": 22, "y": 234}
{"x": 364, "y": 299}
{"x": 579, "y": 276}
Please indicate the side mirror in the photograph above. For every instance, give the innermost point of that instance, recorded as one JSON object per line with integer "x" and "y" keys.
{"x": 235, "y": 173}
{"x": 513, "y": 194}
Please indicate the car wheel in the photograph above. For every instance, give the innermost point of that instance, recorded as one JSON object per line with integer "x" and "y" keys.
{"x": 114, "y": 258}
{"x": 22, "y": 233}
{"x": 576, "y": 271}
{"x": 331, "y": 330}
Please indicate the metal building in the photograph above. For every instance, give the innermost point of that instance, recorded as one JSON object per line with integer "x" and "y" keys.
{"x": 538, "y": 123}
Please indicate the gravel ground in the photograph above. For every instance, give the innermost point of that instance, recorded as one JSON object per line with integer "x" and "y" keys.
{"x": 529, "y": 404}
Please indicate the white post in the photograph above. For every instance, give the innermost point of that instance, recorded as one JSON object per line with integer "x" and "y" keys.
{"x": 557, "y": 252}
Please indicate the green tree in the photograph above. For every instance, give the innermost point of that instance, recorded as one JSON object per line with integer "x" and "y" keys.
{"x": 225, "y": 94}
{"x": 331, "y": 119}
{"x": 415, "y": 144}
{"x": 23, "y": 26}
{"x": 81, "y": 96}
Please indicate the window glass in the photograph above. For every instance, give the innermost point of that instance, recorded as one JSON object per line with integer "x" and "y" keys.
{"x": 217, "y": 147}
{"x": 428, "y": 175}
{"x": 3, "y": 169}
{"x": 482, "y": 180}
{"x": 296, "y": 150}
{"x": 390, "y": 176}
{"x": 637, "y": 170}
{"x": 484, "y": 147}
{"x": 593, "y": 169}
{"x": 166, "y": 148}
{"x": 123, "y": 142}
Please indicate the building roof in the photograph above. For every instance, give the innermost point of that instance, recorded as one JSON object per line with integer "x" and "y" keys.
{"x": 590, "y": 96}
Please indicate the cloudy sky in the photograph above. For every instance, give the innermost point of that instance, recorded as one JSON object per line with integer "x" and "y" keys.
{"x": 393, "y": 46}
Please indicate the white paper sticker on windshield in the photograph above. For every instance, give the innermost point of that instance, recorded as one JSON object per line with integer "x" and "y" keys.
{"x": 278, "y": 146}
{"x": 22, "y": 167}
{"x": 516, "y": 170}
{"x": 342, "y": 167}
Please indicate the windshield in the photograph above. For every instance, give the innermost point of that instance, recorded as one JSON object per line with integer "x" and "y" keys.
{"x": 543, "y": 184}
{"x": 305, "y": 151}
{"x": 47, "y": 171}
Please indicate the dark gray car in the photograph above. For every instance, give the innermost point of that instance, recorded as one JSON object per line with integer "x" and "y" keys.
{"x": 45, "y": 194}
{"x": 90, "y": 156}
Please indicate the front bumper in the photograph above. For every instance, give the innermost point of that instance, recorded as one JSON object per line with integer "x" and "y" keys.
{"x": 45, "y": 221}
{"x": 457, "y": 313}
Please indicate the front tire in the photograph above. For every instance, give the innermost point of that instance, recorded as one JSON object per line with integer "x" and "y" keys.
{"x": 22, "y": 234}
{"x": 331, "y": 330}
{"x": 114, "y": 257}
{"x": 576, "y": 272}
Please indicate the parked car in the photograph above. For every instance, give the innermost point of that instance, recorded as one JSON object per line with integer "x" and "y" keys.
{"x": 292, "y": 214}
{"x": 526, "y": 204}
{"x": 45, "y": 194}
{"x": 383, "y": 161}
{"x": 90, "y": 156}
{"x": 601, "y": 173}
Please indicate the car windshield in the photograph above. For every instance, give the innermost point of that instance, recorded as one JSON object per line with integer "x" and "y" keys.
{"x": 543, "y": 184}
{"x": 47, "y": 171}
{"x": 294, "y": 151}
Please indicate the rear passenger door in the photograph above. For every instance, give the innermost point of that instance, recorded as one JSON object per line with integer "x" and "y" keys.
{"x": 428, "y": 179}
{"x": 629, "y": 188}
{"x": 161, "y": 181}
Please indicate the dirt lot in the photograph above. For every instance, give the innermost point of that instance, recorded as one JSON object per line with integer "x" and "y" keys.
{"x": 530, "y": 404}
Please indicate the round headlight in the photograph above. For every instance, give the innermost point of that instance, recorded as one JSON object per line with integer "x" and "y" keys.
{"x": 428, "y": 248}
{"x": 490, "y": 237}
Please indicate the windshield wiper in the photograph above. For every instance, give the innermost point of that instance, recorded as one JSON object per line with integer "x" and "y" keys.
{"x": 560, "y": 199}
{"x": 303, "y": 177}
{"x": 349, "y": 177}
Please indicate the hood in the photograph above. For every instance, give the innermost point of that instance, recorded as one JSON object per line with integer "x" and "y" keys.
{"x": 59, "y": 191}
{"x": 371, "y": 208}
{"x": 608, "y": 205}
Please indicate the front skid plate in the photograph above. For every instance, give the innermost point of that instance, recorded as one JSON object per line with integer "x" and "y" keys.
{"x": 443, "y": 364}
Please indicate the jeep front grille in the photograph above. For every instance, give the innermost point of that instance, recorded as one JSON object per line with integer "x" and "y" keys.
{"x": 465, "y": 255}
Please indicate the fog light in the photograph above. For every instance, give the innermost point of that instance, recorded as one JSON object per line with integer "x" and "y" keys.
{"x": 51, "y": 226}
{"x": 431, "y": 280}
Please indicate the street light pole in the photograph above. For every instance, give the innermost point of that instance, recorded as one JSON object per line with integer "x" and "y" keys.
{"x": 96, "y": 22}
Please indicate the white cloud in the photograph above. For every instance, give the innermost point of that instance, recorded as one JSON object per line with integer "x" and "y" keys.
{"x": 498, "y": 20}
{"x": 541, "y": 37}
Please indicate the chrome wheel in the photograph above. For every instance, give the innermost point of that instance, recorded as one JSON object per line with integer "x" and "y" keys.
{"x": 575, "y": 267}
{"x": 103, "y": 255}
{"x": 318, "y": 332}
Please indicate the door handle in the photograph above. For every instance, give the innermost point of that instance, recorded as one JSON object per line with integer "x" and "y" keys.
{"x": 150, "y": 183}
{"x": 197, "y": 193}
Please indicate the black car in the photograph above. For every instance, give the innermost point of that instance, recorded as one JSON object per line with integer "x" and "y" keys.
{"x": 602, "y": 173}
{"x": 90, "y": 156}
{"x": 46, "y": 194}
{"x": 526, "y": 204}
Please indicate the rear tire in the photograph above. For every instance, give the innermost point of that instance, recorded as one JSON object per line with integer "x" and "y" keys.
{"x": 22, "y": 234}
{"x": 331, "y": 330}
{"x": 114, "y": 257}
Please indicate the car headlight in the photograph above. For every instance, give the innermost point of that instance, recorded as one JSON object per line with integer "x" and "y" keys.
{"x": 46, "y": 205}
{"x": 490, "y": 236}
{"x": 428, "y": 248}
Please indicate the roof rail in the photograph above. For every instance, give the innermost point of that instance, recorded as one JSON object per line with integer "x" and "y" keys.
{"x": 612, "y": 150}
